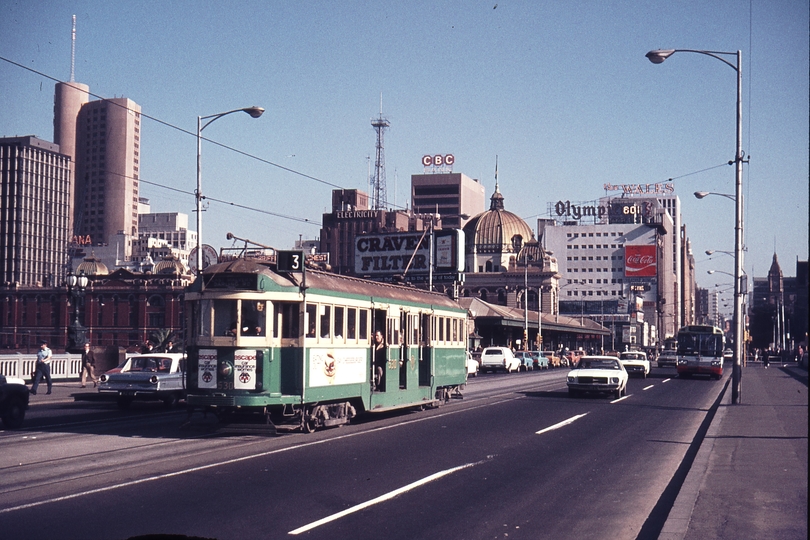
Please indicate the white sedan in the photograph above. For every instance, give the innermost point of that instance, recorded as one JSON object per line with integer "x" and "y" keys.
{"x": 598, "y": 374}
{"x": 472, "y": 366}
{"x": 635, "y": 362}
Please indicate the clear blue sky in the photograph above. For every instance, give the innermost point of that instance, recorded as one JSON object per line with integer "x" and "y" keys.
{"x": 560, "y": 91}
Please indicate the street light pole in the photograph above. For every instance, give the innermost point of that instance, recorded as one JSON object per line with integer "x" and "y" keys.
{"x": 656, "y": 57}
{"x": 254, "y": 112}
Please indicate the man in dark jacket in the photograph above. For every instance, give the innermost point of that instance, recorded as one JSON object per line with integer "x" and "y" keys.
{"x": 88, "y": 365}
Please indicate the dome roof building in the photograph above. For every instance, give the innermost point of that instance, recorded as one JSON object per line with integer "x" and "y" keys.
{"x": 92, "y": 266}
{"x": 495, "y": 237}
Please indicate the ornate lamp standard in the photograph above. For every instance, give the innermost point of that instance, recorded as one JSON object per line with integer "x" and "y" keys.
{"x": 254, "y": 112}
{"x": 77, "y": 333}
{"x": 657, "y": 57}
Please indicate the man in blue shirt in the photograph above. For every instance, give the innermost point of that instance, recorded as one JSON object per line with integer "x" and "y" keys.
{"x": 43, "y": 368}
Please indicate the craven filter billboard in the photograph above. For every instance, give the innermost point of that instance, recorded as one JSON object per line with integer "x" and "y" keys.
{"x": 640, "y": 261}
{"x": 388, "y": 254}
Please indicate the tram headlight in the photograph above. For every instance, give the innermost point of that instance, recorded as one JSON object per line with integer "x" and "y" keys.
{"x": 225, "y": 369}
{"x": 715, "y": 363}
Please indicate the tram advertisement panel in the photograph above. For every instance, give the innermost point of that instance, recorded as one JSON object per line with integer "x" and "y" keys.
{"x": 336, "y": 366}
{"x": 244, "y": 365}
{"x": 207, "y": 370}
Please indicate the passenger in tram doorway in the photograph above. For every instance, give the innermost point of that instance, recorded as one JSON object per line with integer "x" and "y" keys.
{"x": 380, "y": 359}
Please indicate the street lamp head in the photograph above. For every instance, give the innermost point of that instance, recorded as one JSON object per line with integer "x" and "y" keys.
{"x": 254, "y": 112}
{"x": 701, "y": 194}
{"x": 659, "y": 55}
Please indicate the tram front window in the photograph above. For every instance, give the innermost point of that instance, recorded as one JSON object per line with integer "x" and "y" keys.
{"x": 225, "y": 320}
{"x": 253, "y": 318}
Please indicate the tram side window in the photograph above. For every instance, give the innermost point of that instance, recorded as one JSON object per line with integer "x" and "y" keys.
{"x": 363, "y": 327}
{"x": 225, "y": 317}
{"x": 287, "y": 321}
{"x": 326, "y": 321}
{"x": 351, "y": 324}
{"x": 393, "y": 331}
{"x": 414, "y": 329}
{"x": 311, "y": 317}
{"x": 339, "y": 333}
{"x": 441, "y": 329}
{"x": 455, "y": 330}
{"x": 425, "y": 328}
{"x": 447, "y": 328}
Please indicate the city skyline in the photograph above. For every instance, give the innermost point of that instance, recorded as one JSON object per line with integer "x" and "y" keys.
{"x": 561, "y": 94}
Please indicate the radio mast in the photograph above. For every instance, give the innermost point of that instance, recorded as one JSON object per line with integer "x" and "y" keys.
{"x": 73, "y": 51}
{"x": 378, "y": 182}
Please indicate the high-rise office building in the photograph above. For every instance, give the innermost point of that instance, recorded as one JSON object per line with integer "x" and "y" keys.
{"x": 107, "y": 168}
{"x": 102, "y": 138}
{"x": 455, "y": 196}
{"x": 34, "y": 211}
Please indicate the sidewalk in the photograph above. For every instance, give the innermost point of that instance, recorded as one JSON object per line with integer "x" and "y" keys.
{"x": 749, "y": 479}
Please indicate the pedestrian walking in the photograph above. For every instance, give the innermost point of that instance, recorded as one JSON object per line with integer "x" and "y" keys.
{"x": 88, "y": 366}
{"x": 43, "y": 367}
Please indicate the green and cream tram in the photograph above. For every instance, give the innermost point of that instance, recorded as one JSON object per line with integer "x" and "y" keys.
{"x": 298, "y": 350}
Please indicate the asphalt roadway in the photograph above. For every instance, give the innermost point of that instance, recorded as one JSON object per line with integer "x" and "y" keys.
{"x": 746, "y": 479}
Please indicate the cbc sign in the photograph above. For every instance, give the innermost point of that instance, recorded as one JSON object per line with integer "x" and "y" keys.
{"x": 438, "y": 160}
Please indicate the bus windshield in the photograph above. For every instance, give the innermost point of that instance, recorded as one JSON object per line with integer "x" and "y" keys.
{"x": 696, "y": 344}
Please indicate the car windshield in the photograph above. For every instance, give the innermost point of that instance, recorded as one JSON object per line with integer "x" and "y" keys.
{"x": 598, "y": 364}
{"x": 492, "y": 351}
{"x": 632, "y": 356}
{"x": 149, "y": 363}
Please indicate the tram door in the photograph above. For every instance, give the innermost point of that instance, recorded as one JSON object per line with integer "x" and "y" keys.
{"x": 409, "y": 349}
{"x": 379, "y": 358}
{"x": 424, "y": 349}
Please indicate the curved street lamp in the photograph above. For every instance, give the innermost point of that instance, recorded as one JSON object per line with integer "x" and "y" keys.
{"x": 77, "y": 333}
{"x": 254, "y": 112}
{"x": 657, "y": 57}
{"x": 703, "y": 194}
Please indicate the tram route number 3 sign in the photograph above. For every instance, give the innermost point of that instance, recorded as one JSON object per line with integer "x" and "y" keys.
{"x": 290, "y": 261}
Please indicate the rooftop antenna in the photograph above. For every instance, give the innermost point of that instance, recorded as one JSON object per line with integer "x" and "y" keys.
{"x": 378, "y": 184}
{"x": 73, "y": 51}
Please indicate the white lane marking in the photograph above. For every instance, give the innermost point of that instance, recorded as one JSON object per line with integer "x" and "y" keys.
{"x": 648, "y": 387}
{"x": 381, "y": 498}
{"x": 665, "y": 380}
{"x": 240, "y": 459}
{"x": 561, "y": 424}
{"x": 621, "y": 399}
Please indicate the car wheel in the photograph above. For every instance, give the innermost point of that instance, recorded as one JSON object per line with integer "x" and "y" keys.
{"x": 13, "y": 418}
{"x": 124, "y": 403}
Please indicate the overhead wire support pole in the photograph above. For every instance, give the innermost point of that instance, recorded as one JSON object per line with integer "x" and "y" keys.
{"x": 656, "y": 57}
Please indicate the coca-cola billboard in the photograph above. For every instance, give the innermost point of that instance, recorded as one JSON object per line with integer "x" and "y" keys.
{"x": 640, "y": 261}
